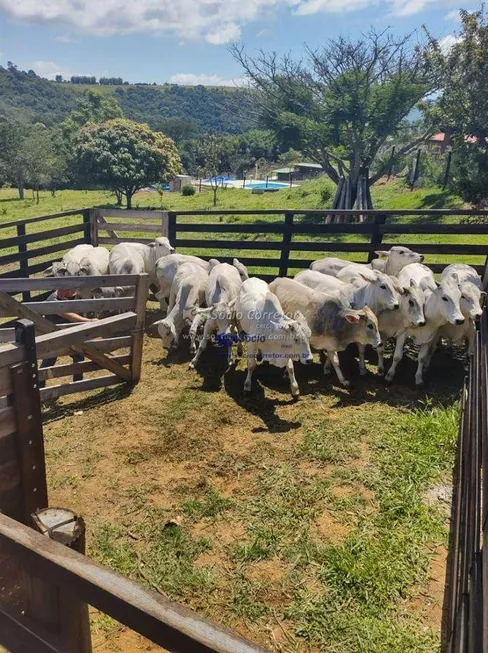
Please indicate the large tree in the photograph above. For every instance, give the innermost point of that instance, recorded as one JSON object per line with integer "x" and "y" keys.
{"x": 341, "y": 103}
{"x": 461, "y": 109}
{"x": 125, "y": 156}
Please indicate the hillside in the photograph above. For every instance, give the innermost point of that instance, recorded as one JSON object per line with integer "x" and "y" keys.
{"x": 28, "y": 97}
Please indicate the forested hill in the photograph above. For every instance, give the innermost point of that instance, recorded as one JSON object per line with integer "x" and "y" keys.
{"x": 26, "y": 96}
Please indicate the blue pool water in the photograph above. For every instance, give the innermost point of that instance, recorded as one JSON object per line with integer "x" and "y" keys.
{"x": 271, "y": 184}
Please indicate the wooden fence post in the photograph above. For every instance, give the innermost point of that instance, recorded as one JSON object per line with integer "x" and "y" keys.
{"x": 285, "y": 247}
{"x": 29, "y": 436}
{"x": 447, "y": 170}
{"x": 172, "y": 227}
{"x": 23, "y": 262}
{"x": 56, "y": 606}
{"x": 93, "y": 213}
{"x": 141, "y": 293}
{"x": 376, "y": 236}
{"x": 87, "y": 224}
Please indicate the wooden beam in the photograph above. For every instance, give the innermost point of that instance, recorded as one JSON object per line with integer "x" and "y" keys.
{"x": 45, "y": 326}
{"x": 19, "y": 634}
{"x": 59, "y": 307}
{"x": 55, "y": 391}
{"x": 41, "y": 235}
{"x": 64, "y": 283}
{"x": 70, "y": 369}
{"x": 169, "y": 624}
{"x": 142, "y": 290}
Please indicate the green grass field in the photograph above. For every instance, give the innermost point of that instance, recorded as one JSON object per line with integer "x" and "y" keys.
{"x": 317, "y": 526}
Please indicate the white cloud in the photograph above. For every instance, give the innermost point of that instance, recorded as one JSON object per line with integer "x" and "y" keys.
{"x": 453, "y": 15}
{"x": 447, "y": 42}
{"x": 217, "y": 21}
{"x": 48, "y": 69}
{"x": 192, "y": 79}
{"x": 66, "y": 38}
{"x": 309, "y": 7}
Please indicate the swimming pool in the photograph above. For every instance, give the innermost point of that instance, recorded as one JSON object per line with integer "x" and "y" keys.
{"x": 276, "y": 185}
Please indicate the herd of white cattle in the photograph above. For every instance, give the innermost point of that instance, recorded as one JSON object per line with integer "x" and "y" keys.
{"x": 326, "y": 308}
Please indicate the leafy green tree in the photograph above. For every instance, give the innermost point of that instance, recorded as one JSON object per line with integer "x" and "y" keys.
{"x": 125, "y": 156}
{"x": 93, "y": 106}
{"x": 342, "y": 102}
{"x": 13, "y": 155}
{"x": 209, "y": 160}
{"x": 462, "y": 107}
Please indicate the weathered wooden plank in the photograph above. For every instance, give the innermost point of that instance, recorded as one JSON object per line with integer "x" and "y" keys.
{"x": 344, "y": 212}
{"x": 8, "y": 422}
{"x": 138, "y": 333}
{"x": 47, "y": 327}
{"x": 71, "y": 369}
{"x": 166, "y": 623}
{"x": 41, "y": 235}
{"x": 304, "y": 246}
{"x": 103, "y": 345}
{"x": 63, "y": 283}
{"x": 143, "y": 214}
{"x": 41, "y": 251}
{"x": 18, "y": 633}
{"x": 441, "y": 248}
{"x": 407, "y": 228}
{"x": 59, "y": 307}
{"x": 80, "y": 332}
{"x": 5, "y": 381}
{"x": 105, "y": 240}
{"x": 140, "y": 228}
{"x": 273, "y": 228}
{"x": 41, "y": 218}
{"x": 55, "y": 391}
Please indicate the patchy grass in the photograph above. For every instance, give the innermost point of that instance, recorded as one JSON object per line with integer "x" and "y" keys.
{"x": 303, "y": 525}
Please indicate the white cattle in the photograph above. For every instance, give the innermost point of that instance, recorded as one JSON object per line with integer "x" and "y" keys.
{"x": 94, "y": 263}
{"x": 70, "y": 263}
{"x": 393, "y": 324}
{"x": 390, "y": 262}
{"x": 221, "y": 292}
{"x": 472, "y": 298}
{"x": 442, "y": 306}
{"x": 186, "y": 297}
{"x": 166, "y": 268}
{"x": 137, "y": 258}
{"x": 241, "y": 268}
{"x": 269, "y": 333}
{"x": 334, "y": 324}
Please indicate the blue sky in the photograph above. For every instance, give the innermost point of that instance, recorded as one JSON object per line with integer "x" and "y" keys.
{"x": 184, "y": 41}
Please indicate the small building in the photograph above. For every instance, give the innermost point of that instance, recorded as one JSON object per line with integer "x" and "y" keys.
{"x": 438, "y": 143}
{"x": 283, "y": 174}
{"x": 299, "y": 171}
{"x": 177, "y": 183}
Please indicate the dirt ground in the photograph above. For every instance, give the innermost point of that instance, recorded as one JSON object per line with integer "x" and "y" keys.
{"x": 186, "y": 457}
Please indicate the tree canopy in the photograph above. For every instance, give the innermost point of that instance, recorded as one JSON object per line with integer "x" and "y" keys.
{"x": 341, "y": 103}
{"x": 125, "y": 156}
{"x": 461, "y": 109}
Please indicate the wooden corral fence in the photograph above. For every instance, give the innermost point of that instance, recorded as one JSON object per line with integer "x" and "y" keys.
{"x": 466, "y": 598}
{"x": 185, "y": 229}
{"x": 90, "y": 343}
{"x": 46, "y": 582}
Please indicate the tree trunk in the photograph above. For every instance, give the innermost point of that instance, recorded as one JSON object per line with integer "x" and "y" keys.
{"x": 215, "y": 196}
{"x": 118, "y": 195}
{"x": 37, "y": 194}
{"x": 20, "y": 185}
{"x": 128, "y": 195}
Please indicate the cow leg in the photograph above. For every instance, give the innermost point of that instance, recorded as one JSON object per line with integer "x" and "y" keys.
{"x": 295, "y": 392}
{"x": 423, "y": 359}
{"x": 209, "y": 327}
{"x": 362, "y": 364}
{"x": 251, "y": 365}
{"x": 397, "y": 356}
{"x": 160, "y": 296}
{"x": 381, "y": 357}
{"x": 195, "y": 325}
{"x": 334, "y": 359}
{"x": 326, "y": 361}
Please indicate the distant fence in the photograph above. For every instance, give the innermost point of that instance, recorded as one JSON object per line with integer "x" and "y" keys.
{"x": 466, "y": 598}
{"x": 32, "y": 239}
{"x": 109, "y": 227}
{"x": 124, "y": 331}
{"x": 45, "y": 580}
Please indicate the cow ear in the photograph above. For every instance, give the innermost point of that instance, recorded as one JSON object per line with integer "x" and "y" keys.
{"x": 298, "y": 317}
{"x": 382, "y": 253}
{"x": 352, "y": 318}
{"x": 413, "y": 283}
{"x": 482, "y": 294}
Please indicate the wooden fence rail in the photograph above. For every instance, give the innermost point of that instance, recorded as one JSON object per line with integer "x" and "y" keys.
{"x": 45, "y": 586}
{"x": 125, "y": 330}
{"x": 202, "y": 234}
